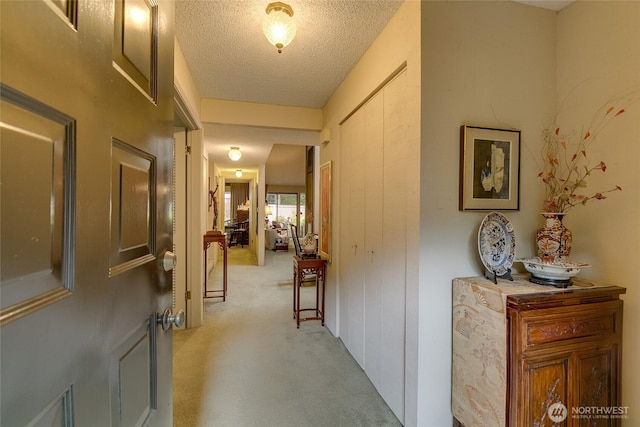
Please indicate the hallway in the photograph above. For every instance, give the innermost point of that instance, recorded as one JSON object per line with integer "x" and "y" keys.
{"x": 248, "y": 365}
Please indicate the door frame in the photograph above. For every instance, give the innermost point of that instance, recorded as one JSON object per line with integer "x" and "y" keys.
{"x": 189, "y": 227}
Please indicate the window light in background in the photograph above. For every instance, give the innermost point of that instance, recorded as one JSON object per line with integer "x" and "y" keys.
{"x": 239, "y": 173}
{"x": 235, "y": 154}
{"x": 279, "y": 26}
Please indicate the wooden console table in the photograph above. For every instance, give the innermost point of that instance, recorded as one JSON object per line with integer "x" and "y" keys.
{"x": 525, "y": 353}
{"x": 303, "y": 267}
{"x": 221, "y": 239}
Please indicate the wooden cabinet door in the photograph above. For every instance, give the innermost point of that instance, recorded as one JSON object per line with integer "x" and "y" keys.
{"x": 580, "y": 380}
{"x": 544, "y": 382}
{"x": 596, "y": 376}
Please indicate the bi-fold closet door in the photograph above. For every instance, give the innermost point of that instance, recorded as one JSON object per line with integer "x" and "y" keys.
{"x": 373, "y": 243}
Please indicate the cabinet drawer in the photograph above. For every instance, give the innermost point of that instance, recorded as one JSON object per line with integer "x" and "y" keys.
{"x": 554, "y": 328}
{"x": 540, "y": 332}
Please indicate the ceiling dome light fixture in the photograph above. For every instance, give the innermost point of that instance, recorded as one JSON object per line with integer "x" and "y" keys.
{"x": 239, "y": 173}
{"x": 279, "y": 26}
{"x": 235, "y": 154}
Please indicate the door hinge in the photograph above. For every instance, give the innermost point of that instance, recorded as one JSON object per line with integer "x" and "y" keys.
{"x": 188, "y": 295}
{"x": 187, "y": 149}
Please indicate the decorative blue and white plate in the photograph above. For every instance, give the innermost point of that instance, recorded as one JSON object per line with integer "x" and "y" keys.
{"x": 496, "y": 243}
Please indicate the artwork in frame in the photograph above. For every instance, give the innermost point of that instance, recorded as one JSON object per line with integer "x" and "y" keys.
{"x": 489, "y": 169}
{"x": 324, "y": 248}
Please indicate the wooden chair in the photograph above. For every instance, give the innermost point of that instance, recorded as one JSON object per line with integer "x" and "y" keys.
{"x": 296, "y": 240}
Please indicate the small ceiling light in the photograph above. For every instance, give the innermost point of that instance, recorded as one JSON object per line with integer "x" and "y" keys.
{"x": 235, "y": 154}
{"x": 279, "y": 26}
{"x": 239, "y": 173}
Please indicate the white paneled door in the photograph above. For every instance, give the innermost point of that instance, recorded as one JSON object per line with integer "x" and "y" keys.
{"x": 373, "y": 238}
{"x": 352, "y": 190}
{"x": 373, "y": 114}
{"x": 86, "y": 154}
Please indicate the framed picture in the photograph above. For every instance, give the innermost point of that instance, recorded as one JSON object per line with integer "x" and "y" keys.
{"x": 324, "y": 247}
{"x": 489, "y": 169}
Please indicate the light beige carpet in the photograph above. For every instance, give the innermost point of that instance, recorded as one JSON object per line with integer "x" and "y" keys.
{"x": 249, "y": 366}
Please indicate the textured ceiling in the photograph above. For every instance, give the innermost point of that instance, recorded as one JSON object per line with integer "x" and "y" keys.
{"x": 230, "y": 58}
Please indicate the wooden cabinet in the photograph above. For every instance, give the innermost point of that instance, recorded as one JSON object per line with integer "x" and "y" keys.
{"x": 520, "y": 350}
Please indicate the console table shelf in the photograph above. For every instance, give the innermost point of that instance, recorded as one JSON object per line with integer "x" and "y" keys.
{"x": 221, "y": 240}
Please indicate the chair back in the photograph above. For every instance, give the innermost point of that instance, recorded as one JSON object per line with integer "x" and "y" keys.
{"x": 296, "y": 240}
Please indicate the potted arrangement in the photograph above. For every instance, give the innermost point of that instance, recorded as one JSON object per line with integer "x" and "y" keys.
{"x": 565, "y": 170}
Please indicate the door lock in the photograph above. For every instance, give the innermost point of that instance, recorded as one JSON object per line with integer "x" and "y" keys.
{"x": 169, "y": 260}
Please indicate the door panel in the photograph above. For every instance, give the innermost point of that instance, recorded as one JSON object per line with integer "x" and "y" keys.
{"x": 372, "y": 114}
{"x": 373, "y": 263}
{"x": 133, "y": 199}
{"x": 96, "y": 192}
{"x": 354, "y": 238}
{"x": 131, "y": 367}
{"x": 393, "y": 260}
{"x": 345, "y": 241}
{"x": 36, "y": 169}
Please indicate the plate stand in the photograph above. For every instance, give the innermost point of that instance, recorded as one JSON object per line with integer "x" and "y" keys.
{"x": 493, "y": 276}
{"x": 557, "y": 283}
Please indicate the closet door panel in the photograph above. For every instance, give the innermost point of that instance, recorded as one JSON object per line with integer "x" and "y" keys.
{"x": 345, "y": 242}
{"x": 356, "y": 225}
{"x": 373, "y": 302}
{"x": 394, "y": 241}
{"x": 373, "y": 239}
{"x": 354, "y": 233}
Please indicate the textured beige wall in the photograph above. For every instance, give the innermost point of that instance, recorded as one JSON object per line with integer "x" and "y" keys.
{"x": 252, "y": 114}
{"x": 599, "y": 60}
{"x": 183, "y": 80}
{"x": 488, "y": 64}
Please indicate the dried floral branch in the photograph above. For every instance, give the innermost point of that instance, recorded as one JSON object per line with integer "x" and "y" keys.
{"x": 566, "y": 163}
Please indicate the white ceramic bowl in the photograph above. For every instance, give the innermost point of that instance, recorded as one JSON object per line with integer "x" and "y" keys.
{"x": 556, "y": 271}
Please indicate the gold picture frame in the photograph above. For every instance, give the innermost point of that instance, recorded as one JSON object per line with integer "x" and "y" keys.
{"x": 489, "y": 169}
{"x": 324, "y": 244}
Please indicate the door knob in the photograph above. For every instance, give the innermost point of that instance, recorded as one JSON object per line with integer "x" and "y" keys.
{"x": 168, "y": 318}
{"x": 169, "y": 260}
